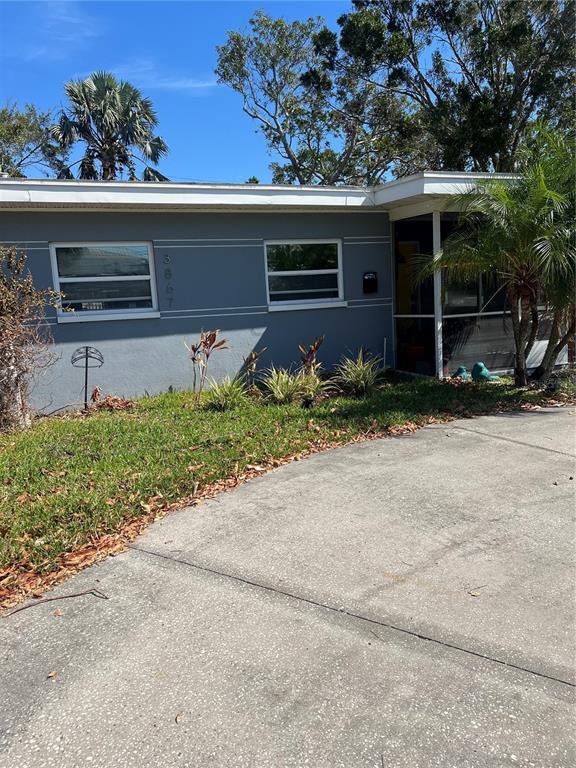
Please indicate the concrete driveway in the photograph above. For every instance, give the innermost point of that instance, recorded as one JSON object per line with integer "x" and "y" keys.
{"x": 404, "y": 602}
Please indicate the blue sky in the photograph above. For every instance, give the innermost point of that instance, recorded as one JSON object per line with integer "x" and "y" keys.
{"x": 168, "y": 50}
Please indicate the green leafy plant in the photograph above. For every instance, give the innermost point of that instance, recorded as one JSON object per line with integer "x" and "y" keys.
{"x": 314, "y": 387}
{"x": 358, "y": 375}
{"x": 249, "y": 369}
{"x": 282, "y": 386}
{"x": 226, "y": 395}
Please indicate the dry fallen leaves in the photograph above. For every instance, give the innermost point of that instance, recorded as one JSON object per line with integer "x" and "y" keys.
{"x": 19, "y": 580}
{"x": 113, "y": 403}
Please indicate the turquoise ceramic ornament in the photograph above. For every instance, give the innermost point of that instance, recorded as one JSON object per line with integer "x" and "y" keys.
{"x": 480, "y": 373}
{"x": 461, "y": 373}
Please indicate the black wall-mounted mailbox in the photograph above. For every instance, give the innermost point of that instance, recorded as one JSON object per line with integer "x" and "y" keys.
{"x": 370, "y": 282}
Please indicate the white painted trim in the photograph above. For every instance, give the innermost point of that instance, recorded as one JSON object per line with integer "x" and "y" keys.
{"x": 438, "y": 183}
{"x": 122, "y": 194}
{"x": 81, "y": 194}
{"x": 367, "y": 242}
{"x": 103, "y": 279}
{"x": 436, "y": 249}
{"x": 209, "y": 245}
{"x": 276, "y": 306}
{"x": 288, "y": 307}
{"x": 218, "y": 314}
{"x": 298, "y": 272}
{"x": 212, "y": 309}
{"x": 477, "y": 314}
{"x": 304, "y": 241}
{"x": 304, "y": 290}
{"x": 376, "y": 298}
{"x": 33, "y": 248}
{"x": 105, "y": 314}
{"x": 206, "y": 239}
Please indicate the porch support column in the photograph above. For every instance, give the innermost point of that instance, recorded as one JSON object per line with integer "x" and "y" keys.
{"x": 436, "y": 248}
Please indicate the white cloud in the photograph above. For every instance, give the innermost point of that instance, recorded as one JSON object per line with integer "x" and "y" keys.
{"x": 144, "y": 74}
{"x": 61, "y": 30}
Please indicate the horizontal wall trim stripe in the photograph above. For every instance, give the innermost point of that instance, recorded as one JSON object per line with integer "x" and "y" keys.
{"x": 261, "y": 309}
{"x": 217, "y": 314}
{"x": 211, "y": 245}
{"x": 477, "y": 314}
{"x": 206, "y": 239}
{"x": 365, "y": 242}
{"x": 212, "y": 309}
{"x": 363, "y": 301}
{"x": 23, "y": 246}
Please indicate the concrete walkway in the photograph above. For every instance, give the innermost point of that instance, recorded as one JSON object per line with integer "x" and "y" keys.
{"x": 404, "y": 602}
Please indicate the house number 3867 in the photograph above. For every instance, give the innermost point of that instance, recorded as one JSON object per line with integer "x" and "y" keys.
{"x": 168, "y": 287}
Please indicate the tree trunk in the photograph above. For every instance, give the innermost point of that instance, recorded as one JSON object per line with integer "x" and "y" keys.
{"x": 535, "y": 317}
{"x": 518, "y": 312}
{"x": 556, "y": 344}
{"x": 14, "y": 413}
{"x": 108, "y": 160}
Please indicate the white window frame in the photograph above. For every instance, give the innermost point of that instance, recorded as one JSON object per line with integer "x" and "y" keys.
{"x": 105, "y": 314}
{"x": 280, "y": 306}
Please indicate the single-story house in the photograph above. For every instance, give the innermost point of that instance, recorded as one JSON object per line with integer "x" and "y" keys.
{"x": 144, "y": 267}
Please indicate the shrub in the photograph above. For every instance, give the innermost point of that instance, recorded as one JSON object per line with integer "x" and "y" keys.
{"x": 226, "y": 395}
{"x": 283, "y": 387}
{"x": 25, "y": 341}
{"x": 249, "y": 370}
{"x": 359, "y": 375}
{"x": 314, "y": 388}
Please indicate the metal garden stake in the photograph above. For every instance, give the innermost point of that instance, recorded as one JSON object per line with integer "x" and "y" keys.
{"x": 87, "y": 357}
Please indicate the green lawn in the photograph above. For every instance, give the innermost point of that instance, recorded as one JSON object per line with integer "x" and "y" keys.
{"x": 66, "y": 481}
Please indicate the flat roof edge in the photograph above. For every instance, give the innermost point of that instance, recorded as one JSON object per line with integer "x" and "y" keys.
{"x": 82, "y": 193}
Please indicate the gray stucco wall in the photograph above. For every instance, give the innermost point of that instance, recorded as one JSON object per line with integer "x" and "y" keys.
{"x": 210, "y": 273}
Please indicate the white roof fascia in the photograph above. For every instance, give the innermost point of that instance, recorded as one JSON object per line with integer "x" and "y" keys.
{"x": 428, "y": 184}
{"x": 25, "y": 193}
{"x": 428, "y": 188}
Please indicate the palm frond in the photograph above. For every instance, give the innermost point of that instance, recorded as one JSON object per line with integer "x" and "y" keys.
{"x": 111, "y": 118}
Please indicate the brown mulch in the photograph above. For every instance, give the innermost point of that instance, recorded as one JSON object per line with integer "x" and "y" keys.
{"x": 19, "y": 581}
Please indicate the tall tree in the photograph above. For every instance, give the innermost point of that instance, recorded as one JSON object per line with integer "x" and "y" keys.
{"x": 521, "y": 231}
{"x": 327, "y": 128}
{"x": 26, "y": 144}
{"x": 116, "y": 125}
{"x": 476, "y": 72}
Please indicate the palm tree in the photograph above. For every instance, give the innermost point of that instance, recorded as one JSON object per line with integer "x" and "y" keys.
{"x": 116, "y": 125}
{"x": 553, "y": 153}
{"x": 520, "y": 231}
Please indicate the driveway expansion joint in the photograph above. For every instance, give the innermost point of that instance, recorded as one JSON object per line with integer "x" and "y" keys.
{"x": 343, "y": 611}
{"x": 512, "y": 440}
